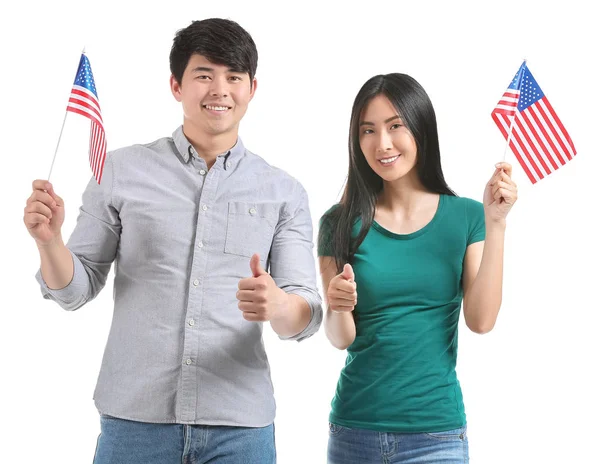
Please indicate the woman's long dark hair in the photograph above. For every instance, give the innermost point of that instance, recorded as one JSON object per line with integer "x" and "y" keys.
{"x": 363, "y": 185}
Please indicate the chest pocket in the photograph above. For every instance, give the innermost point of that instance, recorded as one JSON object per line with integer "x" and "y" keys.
{"x": 250, "y": 228}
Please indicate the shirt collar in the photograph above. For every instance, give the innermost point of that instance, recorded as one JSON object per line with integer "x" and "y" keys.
{"x": 185, "y": 150}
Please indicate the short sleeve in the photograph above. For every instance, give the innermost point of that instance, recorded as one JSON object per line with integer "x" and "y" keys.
{"x": 475, "y": 221}
{"x": 325, "y": 238}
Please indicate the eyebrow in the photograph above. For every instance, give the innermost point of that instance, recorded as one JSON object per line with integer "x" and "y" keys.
{"x": 367, "y": 123}
{"x": 207, "y": 69}
{"x": 202, "y": 68}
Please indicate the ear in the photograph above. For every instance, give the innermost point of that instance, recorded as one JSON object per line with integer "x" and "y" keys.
{"x": 175, "y": 88}
{"x": 253, "y": 89}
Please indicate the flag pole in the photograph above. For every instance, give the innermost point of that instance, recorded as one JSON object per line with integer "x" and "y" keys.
{"x": 59, "y": 137}
{"x": 57, "y": 144}
{"x": 512, "y": 122}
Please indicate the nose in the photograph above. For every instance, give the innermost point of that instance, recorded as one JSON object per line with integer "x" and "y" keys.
{"x": 384, "y": 143}
{"x": 219, "y": 87}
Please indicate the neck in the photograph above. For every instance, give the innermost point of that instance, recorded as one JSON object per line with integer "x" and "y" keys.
{"x": 209, "y": 146}
{"x": 406, "y": 194}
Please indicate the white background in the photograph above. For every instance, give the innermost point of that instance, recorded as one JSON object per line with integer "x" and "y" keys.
{"x": 530, "y": 386}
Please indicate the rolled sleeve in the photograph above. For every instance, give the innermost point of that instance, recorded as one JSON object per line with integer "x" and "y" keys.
{"x": 292, "y": 264}
{"x": 74, "y": 295}
{"x": 93, "y": 245}
{"x": 316, "y": 316}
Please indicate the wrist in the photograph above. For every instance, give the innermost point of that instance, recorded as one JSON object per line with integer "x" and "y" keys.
{"x": 52, "y": 246}
{"x": 282, "y": 306}
{"x": 337, "y": 314}
{"x": 498, "y": 224}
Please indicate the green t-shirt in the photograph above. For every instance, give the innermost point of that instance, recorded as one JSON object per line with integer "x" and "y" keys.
{"x": 400, "y": 373}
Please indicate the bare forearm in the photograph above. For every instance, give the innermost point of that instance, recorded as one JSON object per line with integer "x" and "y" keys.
{"x": 340, "y": 328}
{"x": 56, "y": 264}
{"x": 294, "y": 318}
{"x": 485, "y": 297}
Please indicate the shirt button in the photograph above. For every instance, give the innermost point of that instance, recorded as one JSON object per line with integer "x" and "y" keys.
{"x": 202, "y": 172}
{"x": 204, "y": 207}
{"x": 196, "y": 282}
{"x": 188, "y": 361}
{"x": 252, "y": 211}
{"x": 191, "y": 322}
{"x": 200, "y": 245}
{"x": 228, "y": 164}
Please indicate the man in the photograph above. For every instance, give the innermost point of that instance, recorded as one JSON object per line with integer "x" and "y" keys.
{"x": 192, "y": 222}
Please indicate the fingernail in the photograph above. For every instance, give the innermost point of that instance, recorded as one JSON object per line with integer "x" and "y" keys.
{"x": 498, "y": 165}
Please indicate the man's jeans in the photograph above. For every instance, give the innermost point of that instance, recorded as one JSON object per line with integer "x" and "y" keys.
{"x": 129, "y": 442}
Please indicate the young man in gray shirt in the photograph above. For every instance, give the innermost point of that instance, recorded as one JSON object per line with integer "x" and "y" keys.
{"x": 193, "y": 223}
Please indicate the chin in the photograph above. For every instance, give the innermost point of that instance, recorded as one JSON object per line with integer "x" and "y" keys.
{"x": 389, "y": 178}
{"x": 217, "y": 129}
{"x": 392, "y": 176}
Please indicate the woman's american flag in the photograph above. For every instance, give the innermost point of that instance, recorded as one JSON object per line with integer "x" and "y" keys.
{"x": 84, "y": 101}
{"x": 538, "y": 138}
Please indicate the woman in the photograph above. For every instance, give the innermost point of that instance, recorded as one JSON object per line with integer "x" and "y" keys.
{"x": 398, "y": 256}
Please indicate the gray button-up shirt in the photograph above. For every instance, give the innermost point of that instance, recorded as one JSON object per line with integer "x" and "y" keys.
{"x": 181, "y": 236}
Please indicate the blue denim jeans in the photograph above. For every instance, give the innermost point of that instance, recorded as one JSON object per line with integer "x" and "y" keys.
{"x": 357, "y": 446}
{"x": 129, "y": 442}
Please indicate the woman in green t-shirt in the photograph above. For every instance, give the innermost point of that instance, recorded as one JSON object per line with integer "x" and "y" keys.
{"x": 399, "y": 255}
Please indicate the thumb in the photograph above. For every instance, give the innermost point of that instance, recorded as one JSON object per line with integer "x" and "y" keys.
{"x": 59, "y": 200}
{"x": 255, "y": 266}
{"x": 348, "y": 272}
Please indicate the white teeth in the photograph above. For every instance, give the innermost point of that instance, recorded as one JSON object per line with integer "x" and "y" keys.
{"x": 216, "y": 108}
{"x": 389, "y": 160}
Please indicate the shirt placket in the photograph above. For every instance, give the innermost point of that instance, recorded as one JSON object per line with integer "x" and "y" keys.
{"x": 188, "y": 395}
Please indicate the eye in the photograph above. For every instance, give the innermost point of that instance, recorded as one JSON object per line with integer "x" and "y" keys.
{"x": 368, "y": 131}
{"x": 203, "y": 77}
{"x": 395, "y": 126}
{"x": 235, "y": 78}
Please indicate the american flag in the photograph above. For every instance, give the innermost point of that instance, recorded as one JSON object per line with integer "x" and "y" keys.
{"x": 538, "y": 138}
{"x": 84, "y": 101}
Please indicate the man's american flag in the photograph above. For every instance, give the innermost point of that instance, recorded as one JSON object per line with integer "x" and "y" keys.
{"x": 539, "y": 140}
{"x": 84, "y": 101}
